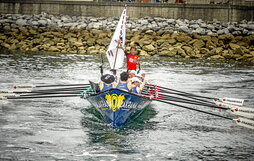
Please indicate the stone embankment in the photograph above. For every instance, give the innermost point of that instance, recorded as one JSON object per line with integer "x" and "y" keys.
{"x": 153, "y": 36}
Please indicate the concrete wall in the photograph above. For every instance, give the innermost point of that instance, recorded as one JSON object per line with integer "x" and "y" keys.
{"x": 220, "y": 12}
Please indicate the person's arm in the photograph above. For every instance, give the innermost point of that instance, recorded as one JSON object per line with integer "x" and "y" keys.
{"x": 130, "y": 86}
{"x": 101, "y": 85}
{"x": 143, "y": 85}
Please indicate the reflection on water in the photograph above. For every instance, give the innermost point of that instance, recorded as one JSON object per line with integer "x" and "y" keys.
{"x": 70, "y": 129}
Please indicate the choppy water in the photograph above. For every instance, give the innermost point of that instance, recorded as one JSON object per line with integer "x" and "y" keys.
{"x": 70, "y": 129}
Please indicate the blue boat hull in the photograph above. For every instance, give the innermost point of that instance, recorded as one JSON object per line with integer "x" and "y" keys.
{"x": 117, "y": 106}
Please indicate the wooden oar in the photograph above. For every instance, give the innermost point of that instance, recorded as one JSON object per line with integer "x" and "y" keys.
{"x": 239, "y": 121}
{"x": 234, "y": 101}
{"x": 54, "y": 85}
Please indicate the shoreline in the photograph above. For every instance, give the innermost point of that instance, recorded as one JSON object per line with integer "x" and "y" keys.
{"x": 194, "y": 39}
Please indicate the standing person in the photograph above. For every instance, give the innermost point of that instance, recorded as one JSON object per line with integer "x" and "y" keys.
{"x": 132, "y": 59}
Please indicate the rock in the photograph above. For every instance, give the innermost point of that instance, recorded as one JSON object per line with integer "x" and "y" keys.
{"x": 171, "y": 52}
{"x": 195, "y": 26}
{"x": 150, "y": 32}
{"x": 188, "y": 50}
{"x": 183, "y": 38}
{"x": 143, "y": 53}
{"x": 204, "y": 51}
{"x": 90, "y": 42}
{"x": 217, "y": 57}
{"x": 171, "y": 41}
{"x": 2, "y": 37}
{"x": 21, "y": 22}
{"x": 181, "y": 52}
{"x": 77, "y": 43}
{"x": 199, "y": 44}
{"x": 42, "y": 22}
{"x": 184, "y": 29}
{"x": 144, "y": 42}
{"x": 250, "y": 27}
{"x": 53, "y": 49}
{"x": 200, "y": 31}
{"x": 171, "y": 21}
{"x": 103, "y": 42}
{"x": 210, "y": 45}
{"x": 6, "y": 45}
{"x": 149, "y": 48}
{"x": 234, "y": 46}
{"x": 226, "y": 37}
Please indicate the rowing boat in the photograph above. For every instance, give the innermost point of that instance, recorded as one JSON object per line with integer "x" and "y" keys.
{"x": 117, "y": 106}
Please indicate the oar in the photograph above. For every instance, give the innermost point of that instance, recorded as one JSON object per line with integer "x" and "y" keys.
{"x": 53, "y": 89}
{"x": 236, "y": 110}
{"x": 53, "y": 85}
{"x": 240, "y": 121}
{"x": 32, "y": 97}
{"x": 245, "y": 112}
{"x": 234, "y": 101}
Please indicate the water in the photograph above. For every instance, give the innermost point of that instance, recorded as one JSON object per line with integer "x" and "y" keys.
{"x": 70, "y": 129}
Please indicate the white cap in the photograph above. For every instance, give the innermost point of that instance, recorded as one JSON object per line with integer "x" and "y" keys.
{"x": 135, "y": 79}
{"x": 142, "y": 72}
{"x": 133, "y": 72}
{"x": 139, "y": 75}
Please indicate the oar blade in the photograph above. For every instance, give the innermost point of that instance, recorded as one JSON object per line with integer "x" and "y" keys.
{"x": 233, "y": 101}
{"x": 245, "y": 122}
{"x": 237, "y": 110}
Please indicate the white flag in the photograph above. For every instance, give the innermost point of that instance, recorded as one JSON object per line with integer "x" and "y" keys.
{"x": 115, "y": 53}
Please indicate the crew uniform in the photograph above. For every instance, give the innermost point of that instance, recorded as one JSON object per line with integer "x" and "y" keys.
{"x": 123, "y": 86}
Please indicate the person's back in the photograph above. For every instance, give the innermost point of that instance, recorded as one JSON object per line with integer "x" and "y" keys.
{"x": 106, "y": 87}
{"x": 107, "y": 82}
{"x": 123, "y": 84}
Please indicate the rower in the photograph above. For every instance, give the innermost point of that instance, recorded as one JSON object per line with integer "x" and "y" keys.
{"x": 107, "y": 82}
{"x": 143, "y": 75}
{"x": 132, "y": 73}
{"x": 123, "y": 83}
{"x": 137, "y": 85}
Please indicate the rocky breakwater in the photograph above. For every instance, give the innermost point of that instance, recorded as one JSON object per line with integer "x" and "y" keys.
{"x": 153, "y": 36}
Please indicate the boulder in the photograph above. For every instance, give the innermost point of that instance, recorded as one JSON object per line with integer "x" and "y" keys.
{"x": 53, "y": 49}
{"x": 210, "y": 45}
{"x": 149, "y": 48}
{"x": 171, "y": 41}
{"x": 198, "y": 44}
{"x": 181, "y": 52}
{"x": 217, "y": 57}
{"x": 144, "y": 42}
{"x": 184, "y": 29}
{"x": 42, "y": 22}
{"x": 188, "y": 50}
{"x": 21, "y": 22}
{"x": 143, "y": 53}
{"x": 90, "y": 42}
{"x": 234, "y": 46}
{"x": 183, "y": 38}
